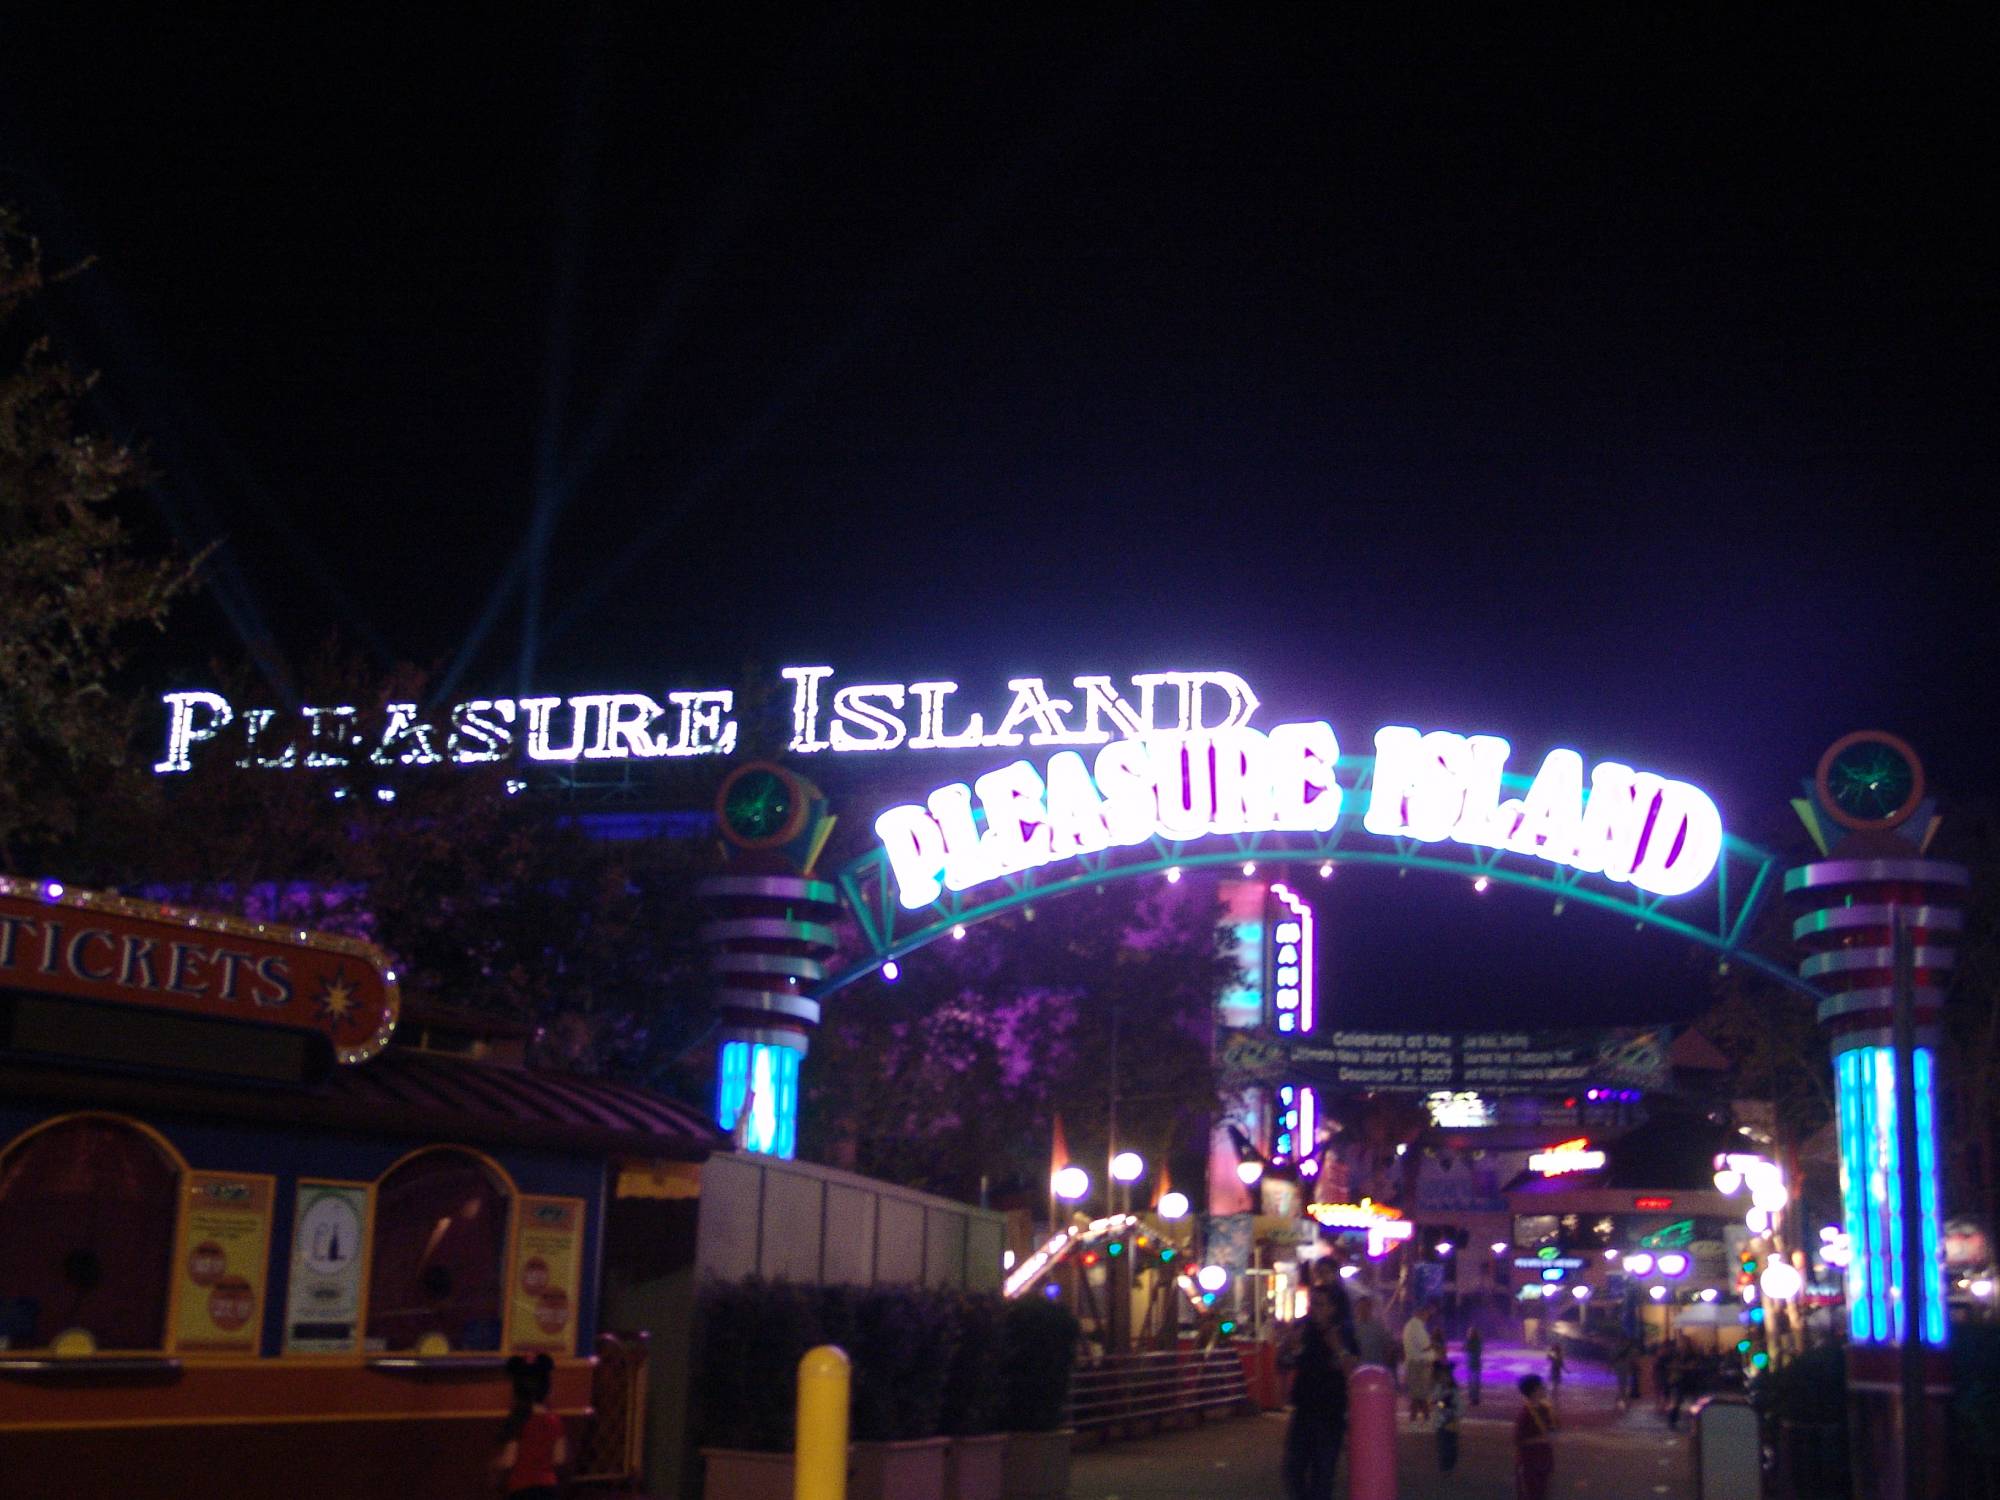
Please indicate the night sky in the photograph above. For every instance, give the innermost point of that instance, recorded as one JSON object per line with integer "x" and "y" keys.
{"x": 1619, "y": 384}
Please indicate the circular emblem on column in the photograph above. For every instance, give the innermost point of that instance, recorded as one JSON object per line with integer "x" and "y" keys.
{"x": 1869, "y": 780}
{"x": 761, "y": 805}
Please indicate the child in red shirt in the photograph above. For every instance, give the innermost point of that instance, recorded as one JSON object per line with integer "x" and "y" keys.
{"x": 535, "y": 1446}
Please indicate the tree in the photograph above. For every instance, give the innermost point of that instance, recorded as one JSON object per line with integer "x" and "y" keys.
{"x": 73, "y": 586}
{"x": 490, "y": 903}
{"x": 955, "y": 1072}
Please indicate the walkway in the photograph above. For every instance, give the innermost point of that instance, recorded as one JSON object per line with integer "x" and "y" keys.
{"x": 1600, "y": 1454}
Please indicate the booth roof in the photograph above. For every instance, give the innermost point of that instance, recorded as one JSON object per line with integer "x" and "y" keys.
{"x": 404, "y": 1092}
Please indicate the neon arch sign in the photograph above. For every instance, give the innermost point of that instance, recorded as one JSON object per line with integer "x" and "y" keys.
{"x": 1657, "y": 834}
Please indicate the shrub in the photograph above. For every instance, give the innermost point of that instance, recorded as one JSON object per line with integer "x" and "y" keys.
{"x": 748, "y": 1339}
{"x": 973, "y": 1383}
{"x": 904, "y": 1338}
{"x": 1039, "y": 1351}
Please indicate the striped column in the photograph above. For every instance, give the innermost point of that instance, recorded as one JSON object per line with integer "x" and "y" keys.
{"x": 768, "y": 939}
{"x": 1851, "y": 958}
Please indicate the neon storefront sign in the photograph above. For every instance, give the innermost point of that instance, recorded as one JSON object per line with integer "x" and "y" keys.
{"x": 1569, "y": 1156}
{"x": 1661, "y": 835}
{"x": 1386, "y": 1227}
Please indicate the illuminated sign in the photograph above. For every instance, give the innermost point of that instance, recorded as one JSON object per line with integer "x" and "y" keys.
{"x": 1461, "y": 1110}
{"x": 98, "y": 947}
{"x": 1294, "y": 978}
{"x": 1171, "y": 786}
{"x": 1663, "y": 836}
{"x": 1645, "y": 1205}
{"x": 1570, "y": 1156}
{"x": 873, "y": 716}
{"x": 1531, "y": 1263}
{"x": 1385, "y": 1226}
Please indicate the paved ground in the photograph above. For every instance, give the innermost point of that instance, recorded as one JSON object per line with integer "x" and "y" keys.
{"x": 1601, "y": 1454}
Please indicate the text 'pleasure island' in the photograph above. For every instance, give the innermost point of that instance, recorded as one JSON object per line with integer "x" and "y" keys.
{"x": 1176, "y": 757}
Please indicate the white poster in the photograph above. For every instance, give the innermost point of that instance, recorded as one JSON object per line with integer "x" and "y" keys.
{"x": 323, "y": 1294}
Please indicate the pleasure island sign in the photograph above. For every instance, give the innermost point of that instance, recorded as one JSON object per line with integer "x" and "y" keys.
{"x": 1171, "y": 755}
{"x": 1660, "y": 835}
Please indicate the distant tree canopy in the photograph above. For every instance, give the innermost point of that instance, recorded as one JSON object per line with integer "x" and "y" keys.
{"x": 957, "y": 1070}
{"x": 73, "y": 587}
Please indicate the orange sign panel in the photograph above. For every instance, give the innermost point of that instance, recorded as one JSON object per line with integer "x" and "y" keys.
{"x": 93, "y": 946}
{"x": 548, "y": 1263}
{"x": 221, "y": 1265}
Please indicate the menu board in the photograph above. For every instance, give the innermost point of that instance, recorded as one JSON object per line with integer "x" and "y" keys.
{"x": 548, "y": 1264}
{"x": 221, "y": 1263}
{"x": 329, "y": 1256}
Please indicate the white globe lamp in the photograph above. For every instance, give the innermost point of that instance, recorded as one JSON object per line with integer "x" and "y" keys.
{"x": 1071, "y": 1184}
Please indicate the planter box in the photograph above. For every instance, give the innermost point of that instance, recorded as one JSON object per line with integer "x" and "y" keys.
{"x": 742, "y": 1474}
{"x": 1036, "y": 1466}
{"x": 976, "y": 1467}
{"x": 897, "y": 1471}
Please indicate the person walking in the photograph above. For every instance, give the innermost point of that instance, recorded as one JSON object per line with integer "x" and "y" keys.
{"x": 1624, "y": 1368}
{"x": 1475, "y": 1353}
{"x": 1534, "y": 1441}
{"x": 1556, "y": 1359}
{"x": 1318, "y": 1353}
{"x": 1449, "y": 1404}
{"x": 1418, "y": 1353}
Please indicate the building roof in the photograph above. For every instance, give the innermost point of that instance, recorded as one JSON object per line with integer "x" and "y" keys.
{"x": 405, "y": 1092}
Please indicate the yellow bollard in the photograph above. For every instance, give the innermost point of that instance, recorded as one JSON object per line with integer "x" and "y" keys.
{"x": 819, "y": 1470}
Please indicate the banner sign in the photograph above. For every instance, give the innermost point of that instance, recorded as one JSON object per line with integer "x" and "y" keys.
{"x": 90, "y": 945}
{"x": 221, "y": 1264}
{"x": 329, "y": 1245}
{"x": 548, "y": 1261}
{"x": 1491, "y": 1062}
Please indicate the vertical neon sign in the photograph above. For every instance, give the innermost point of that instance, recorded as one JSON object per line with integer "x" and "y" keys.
{"x": 1293, "y": 990}
{"x": 1870, "y": 1173}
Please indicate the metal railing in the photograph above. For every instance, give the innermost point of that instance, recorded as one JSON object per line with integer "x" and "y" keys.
{"x": 1114, "y": 1390}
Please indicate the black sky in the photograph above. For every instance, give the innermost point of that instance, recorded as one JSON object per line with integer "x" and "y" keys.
{"x": 1599, "y": 380}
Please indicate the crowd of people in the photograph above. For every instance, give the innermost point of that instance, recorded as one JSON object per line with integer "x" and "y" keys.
{"x": 1338, "y": 1336}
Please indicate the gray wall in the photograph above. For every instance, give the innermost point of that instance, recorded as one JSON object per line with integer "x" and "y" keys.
{"x": 758, "y": 1215}
{"x": 820, "y": 1225}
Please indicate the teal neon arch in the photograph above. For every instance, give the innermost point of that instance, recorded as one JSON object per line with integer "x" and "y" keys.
{"x": 1719, "y": 916}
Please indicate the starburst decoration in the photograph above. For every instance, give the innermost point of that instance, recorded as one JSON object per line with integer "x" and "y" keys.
{"x": 336, "y": 997}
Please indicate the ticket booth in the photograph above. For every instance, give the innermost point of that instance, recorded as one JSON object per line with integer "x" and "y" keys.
{"x": 251, "y": 1245}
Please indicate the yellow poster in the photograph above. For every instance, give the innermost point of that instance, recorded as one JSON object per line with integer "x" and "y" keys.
{"x": 221, "y": 1263}
{"x": 548, "y": 1262}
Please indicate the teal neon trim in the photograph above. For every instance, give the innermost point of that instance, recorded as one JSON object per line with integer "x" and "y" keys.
{"x": 1933, "y": 1324}
{"x": 1853, "y": 1127}
{"x": 888, "y": 930}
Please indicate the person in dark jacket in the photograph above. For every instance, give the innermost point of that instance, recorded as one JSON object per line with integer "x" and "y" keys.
{"x": 1319, "y": 1354}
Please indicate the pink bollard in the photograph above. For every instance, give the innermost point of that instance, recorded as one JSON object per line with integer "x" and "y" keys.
{"x": 1371, "y": 1434}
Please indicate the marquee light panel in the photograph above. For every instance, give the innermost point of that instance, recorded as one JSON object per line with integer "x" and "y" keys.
{"x": 1570, "y": 1156}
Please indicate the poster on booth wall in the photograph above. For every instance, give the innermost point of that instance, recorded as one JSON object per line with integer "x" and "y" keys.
{"x": 221, "y": 1264}
{"x": 323, "y": 1291}
{"x": 548, "y": 1264}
